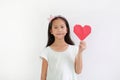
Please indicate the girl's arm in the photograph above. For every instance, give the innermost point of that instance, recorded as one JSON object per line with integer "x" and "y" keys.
{"x": 78, "y": 58}
{"x": 44, "y": 69}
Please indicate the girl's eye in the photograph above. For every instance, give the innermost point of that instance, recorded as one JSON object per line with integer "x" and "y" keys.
{"x": 62, "y": 26}
{"x": 55, "y": 27}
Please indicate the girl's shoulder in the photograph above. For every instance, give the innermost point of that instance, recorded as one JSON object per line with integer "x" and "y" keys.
{"x": 45, "y": 49}
{"x": 73, "y": 47}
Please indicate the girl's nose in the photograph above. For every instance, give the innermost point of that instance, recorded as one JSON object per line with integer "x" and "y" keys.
{"x": 59, "y": 29}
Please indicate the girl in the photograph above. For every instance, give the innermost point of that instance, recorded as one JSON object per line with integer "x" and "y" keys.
{"x": 61, "y": 60}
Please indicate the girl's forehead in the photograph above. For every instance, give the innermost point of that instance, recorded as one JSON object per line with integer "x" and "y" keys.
{"x": 56, "y": 21}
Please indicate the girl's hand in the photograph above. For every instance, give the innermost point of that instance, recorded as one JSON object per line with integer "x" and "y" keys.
{"x": 82, "y": 46}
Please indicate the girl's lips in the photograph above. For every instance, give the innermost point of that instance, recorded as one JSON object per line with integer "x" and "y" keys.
{"x": 59, "y": 34}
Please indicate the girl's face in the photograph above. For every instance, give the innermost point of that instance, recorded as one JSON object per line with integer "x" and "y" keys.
{"x": 59, "y": 29}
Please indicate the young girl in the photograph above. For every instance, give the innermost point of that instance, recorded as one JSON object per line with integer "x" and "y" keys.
{"x": 61, "y": 60}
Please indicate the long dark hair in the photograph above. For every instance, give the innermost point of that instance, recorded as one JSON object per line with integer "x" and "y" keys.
{"x": 51, "y": 38}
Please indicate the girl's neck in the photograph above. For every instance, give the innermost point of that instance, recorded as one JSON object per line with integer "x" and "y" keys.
{"x": 59, "y": 42}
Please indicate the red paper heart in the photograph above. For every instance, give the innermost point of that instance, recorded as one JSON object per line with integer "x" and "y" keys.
{"x": 82, "y": 32}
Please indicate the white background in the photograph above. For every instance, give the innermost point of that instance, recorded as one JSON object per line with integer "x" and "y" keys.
{"x": 23, "y": 34}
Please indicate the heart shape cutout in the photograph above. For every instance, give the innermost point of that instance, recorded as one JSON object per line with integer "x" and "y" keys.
{"x": 82, "y": 32}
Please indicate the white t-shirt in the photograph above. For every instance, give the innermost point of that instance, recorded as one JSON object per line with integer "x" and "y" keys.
{"x": 60, "y": 64}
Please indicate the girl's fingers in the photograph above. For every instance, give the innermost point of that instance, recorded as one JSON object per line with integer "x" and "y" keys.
{"x": 82, "y": 45}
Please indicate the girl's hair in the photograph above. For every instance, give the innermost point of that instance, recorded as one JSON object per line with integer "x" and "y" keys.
{"x": 51, "y": 37}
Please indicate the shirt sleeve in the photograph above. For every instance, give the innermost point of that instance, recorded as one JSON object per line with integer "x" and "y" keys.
{"x": 44, "y": 54}
{"x": 74, "y": 52}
